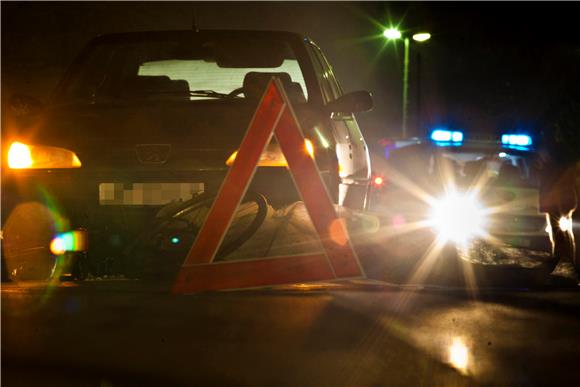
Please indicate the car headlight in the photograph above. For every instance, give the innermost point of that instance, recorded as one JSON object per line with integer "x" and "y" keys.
{"x": 458, "y": 217}
{"x": 24, "y": 156}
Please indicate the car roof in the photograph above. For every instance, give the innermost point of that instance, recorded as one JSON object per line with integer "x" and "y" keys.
{"x": 146, "y": 35}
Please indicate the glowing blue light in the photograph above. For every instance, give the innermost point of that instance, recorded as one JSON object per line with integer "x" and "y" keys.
{"x": 441, "y": 135}
{"x": 524, "y": 140}
{"x": 502, "y": 154}
{"x": 444, "y": 135}
{"x": 516, "y": 139}
{"x": 175, "y": 240}
{"x": 457, "y": 136}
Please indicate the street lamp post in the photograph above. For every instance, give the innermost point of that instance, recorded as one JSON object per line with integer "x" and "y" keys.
{"x": 405, "y": 88}
{"x": 395, "y": 34}
{"x": 419, "y": 118}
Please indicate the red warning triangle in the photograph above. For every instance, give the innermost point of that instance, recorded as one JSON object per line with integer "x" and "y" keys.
{"x": 274, "y": 115}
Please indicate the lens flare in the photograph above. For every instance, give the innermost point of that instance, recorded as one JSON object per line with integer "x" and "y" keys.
{"x": 459, "y": 354}
{"x": 57, "y": 246}
{"x": 323, "y": 141}
{"x": 231, "y": 159}
{"x": 458, "y": 218}
{"x": 68, "y": 241}
{"x": 309, "y": 147}
{"x": 336, "y": 231}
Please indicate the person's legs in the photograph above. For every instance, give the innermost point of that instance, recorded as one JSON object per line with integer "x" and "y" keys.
{"x": 563, "y": 248}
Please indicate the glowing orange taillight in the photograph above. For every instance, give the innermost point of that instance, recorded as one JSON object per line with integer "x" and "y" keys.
{"x": 273, "y": 156}
{"x": 25, "y": 156}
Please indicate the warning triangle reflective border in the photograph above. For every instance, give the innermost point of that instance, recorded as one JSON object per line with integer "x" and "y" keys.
{"x": 274, "y": 116}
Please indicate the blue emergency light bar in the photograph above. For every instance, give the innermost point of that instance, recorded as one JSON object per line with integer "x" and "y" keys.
{"x": 449, "y": 137}
{"x": 522, "y": 140}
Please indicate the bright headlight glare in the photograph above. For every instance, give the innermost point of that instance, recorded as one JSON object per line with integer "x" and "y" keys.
{"x": 565, "y": 224}
{"x": 23, "y": 156}
{"x": 458, "y": 218}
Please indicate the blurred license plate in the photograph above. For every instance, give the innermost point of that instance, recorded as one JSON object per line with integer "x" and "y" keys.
{"x": 146, "y": 194}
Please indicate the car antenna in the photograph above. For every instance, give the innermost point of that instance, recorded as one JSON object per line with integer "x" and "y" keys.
{"x": 194, "y": 21}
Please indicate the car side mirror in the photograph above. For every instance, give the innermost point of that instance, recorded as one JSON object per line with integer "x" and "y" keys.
{"x": 24, "y": 105}
{"x": 355, "y": 102}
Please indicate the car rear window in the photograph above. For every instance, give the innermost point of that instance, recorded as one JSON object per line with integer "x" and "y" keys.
{"x": 185, "y": 67}
{"x": 203, "y": 75}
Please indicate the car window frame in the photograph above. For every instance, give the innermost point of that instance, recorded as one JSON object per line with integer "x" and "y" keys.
{"x": 329, "y": 73}
{"x": 295, "y": 42}
{"x": 326, "y": 90}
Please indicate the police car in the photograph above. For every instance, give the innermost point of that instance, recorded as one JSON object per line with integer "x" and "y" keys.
{"x": 463, "y": 191}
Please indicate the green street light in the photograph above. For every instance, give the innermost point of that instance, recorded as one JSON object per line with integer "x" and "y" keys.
{"x": 392, "y": 33}
{"x": 421, "y": 37}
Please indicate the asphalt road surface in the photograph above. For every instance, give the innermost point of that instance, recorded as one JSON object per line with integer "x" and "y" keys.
{"x": 357, "y": 333}
{"x": 491, "y": 318}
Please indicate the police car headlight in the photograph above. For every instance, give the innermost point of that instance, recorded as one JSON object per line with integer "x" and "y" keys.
{"x": 24, "y": 156}
{"x": 458, "y": 218}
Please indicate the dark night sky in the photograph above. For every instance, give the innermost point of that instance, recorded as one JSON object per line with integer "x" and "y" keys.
{"x": 486, "y": 64}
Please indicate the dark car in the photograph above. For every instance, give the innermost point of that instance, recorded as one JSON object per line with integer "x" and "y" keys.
{"x": 143, "y": 120}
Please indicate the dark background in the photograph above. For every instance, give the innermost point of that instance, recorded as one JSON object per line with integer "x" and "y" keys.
{"x": 487, "y": 65}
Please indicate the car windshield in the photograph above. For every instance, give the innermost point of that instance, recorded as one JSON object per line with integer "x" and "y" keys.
{"x": 177, "y": 68}
{"x": 502, "y": 168}
{"x": 435, "y": 167}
